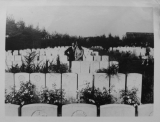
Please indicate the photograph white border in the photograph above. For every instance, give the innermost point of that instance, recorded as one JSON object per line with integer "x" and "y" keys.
{"x": 155, "y": 4}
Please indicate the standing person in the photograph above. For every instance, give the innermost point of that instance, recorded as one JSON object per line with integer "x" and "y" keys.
{"x": 147, "y": 50}
{"x": 79, "y": 52}
{"x": 147, "y": 53}
{"x": 70, "y": 52}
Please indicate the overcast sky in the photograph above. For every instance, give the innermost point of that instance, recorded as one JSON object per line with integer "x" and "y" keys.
{"x": 86, "y": 20}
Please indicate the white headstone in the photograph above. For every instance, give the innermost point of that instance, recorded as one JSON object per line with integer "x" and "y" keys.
{"x": 76, "y": 66}
{"x": 43, "y": 110}
{"x": 10, "y": 58}
{"x": 145, "y": 110}
{"x": 69, "y": 84}
{"x": 105, "y": 58}
{"x": 17, "y": 58}
{"x": 42, "y": 58}
{"x": 117, "y": 84}
{"x": 85, "y": 65}
{"x": 38, "y": 79}
{"x": 9, "y": 53}
{"x": 11, "y": 110}
{"x": 33, "y": 50}
{"x": 9, "y": 82}
{"x": 21, "y": 77}
{"x": 28, "y": 51}
{"x": 15, "y": 52}
{"x": 101, "y": 80}
{"x": 134, "y": 80}
{"x": 42, "y": 52}
{"x": 96, "y": 53}
{"x": 9, "y": 64}
{"x": 23, "y": 58}
{"x": 104, "y": 64}
{"x": 50, "y": 58}
{"x": 19, "y": 63}
{"x": 79, "y": 110}
{"x": 115, "y": 110}
{"x": 84, "y": 78}
{"x": 97, "y": 58}
{"x": 89, "y": 58}
{"x": 63, "y": 59}
{"x": 53, "y": 79}
{"x": 20, "y": 52}
{"x": 94, "y": 67}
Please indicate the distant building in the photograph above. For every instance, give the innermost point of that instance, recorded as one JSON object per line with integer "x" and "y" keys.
{"x": 140, "y": 38}
{"x": 139, "y": 34}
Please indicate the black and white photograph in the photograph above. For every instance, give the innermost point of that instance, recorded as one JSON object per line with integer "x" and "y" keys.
{"x": 79, "y": 61}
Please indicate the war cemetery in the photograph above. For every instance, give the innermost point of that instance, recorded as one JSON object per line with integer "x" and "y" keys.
{"x": 115, "y": 77}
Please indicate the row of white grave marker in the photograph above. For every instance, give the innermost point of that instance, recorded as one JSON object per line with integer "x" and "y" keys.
{"x": 91, "y": 66}
{"x": 71, "y": 82}
{"x": 60, "y": 50}
{"x": 49, "y": 55}
{"x": 50, "y": 58}
{"x": 47, "y": 51}
{"x": 134, "y": 50}
{"x": 78, "y": 110}
{"x": 78, "y": 66}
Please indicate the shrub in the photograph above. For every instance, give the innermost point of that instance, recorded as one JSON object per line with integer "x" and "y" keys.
{"x": 54, "y": 96}
{"x": 14, "y": 69}
{"x": 129, "y": 97}
{"x": 58, "y": 67}
{"x": 25, "y": 95}
{"x": 112, "y": 70}
{"x": 95, "y": 96}
{"x": 29, "y": 66}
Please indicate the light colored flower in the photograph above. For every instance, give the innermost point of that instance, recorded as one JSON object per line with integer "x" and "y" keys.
{"x": 26, "y": 91}
{"x": 91, "y": 100}
{"x": 133, "y": 102}
{"x": 22, "y": 102}
{"x": 135, "y": 105}
{"x": 129, "y": 100}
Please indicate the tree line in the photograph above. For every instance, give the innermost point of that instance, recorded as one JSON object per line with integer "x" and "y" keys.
{"x": 19, "y": 36}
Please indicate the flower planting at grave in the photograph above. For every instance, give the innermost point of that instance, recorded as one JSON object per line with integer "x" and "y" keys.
{"x": 112, "y": 70}
{"x": 95, "y": 96}
{"x": 58, "y": 67}
{"x": 54, "y": 96}
{"x": 27, "y": 94}
{"x": 130, "y": 97}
